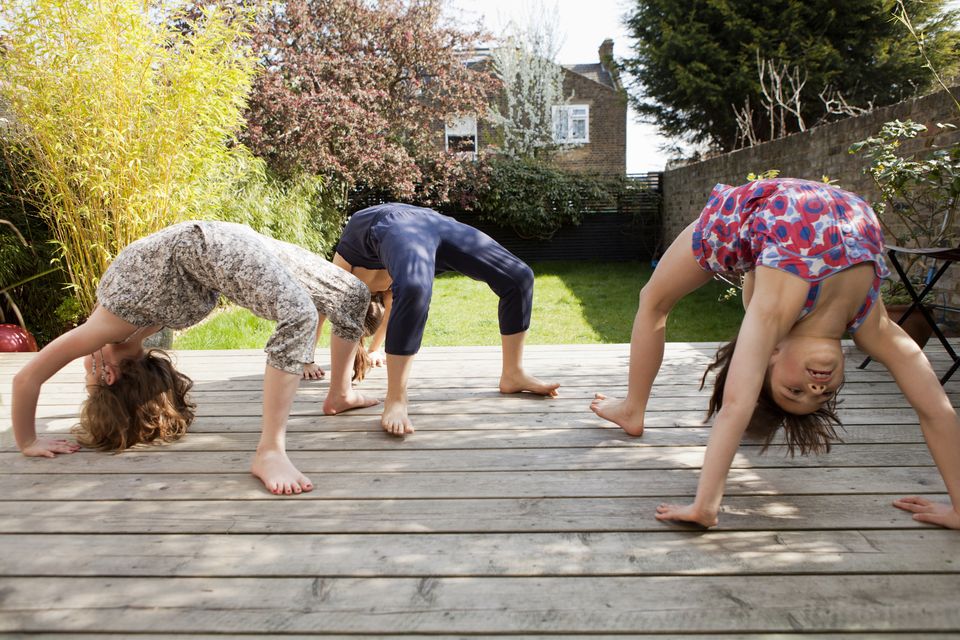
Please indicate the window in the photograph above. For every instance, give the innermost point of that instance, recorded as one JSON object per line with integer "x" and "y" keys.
{"x": 461, "y": 136}
{"x": 571, "y": 124}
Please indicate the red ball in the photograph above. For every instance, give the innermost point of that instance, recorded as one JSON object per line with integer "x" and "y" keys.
{"x": 13, "y": 337}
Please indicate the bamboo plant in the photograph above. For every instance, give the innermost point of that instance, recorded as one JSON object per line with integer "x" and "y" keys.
{"x": 126, "y": 115}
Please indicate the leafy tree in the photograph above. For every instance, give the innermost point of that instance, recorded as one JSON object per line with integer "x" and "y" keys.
{"x": 696, "y": 61}
{"x": 532, "y": 84}
{"x": 358, "y": 90}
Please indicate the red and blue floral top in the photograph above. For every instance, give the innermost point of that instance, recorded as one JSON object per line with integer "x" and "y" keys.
{"x": 810, "y": 229}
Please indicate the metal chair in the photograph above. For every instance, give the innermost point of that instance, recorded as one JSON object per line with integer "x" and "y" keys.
{"x": 947, "y": 256}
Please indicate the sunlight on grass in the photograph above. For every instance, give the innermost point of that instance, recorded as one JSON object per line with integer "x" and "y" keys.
{"x": 574, "y": 303}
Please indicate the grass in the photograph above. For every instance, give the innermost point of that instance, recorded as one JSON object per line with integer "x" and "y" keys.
{"x": 574, "y": 303}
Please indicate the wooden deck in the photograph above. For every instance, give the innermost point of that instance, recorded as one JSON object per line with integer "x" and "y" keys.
{"x": 502, "y": 515}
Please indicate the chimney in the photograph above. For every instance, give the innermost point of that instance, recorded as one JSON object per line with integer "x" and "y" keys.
{"x": 606, "y": 52}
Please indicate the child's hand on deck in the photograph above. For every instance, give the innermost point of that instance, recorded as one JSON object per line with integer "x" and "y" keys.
{"x": 312, "y": 372}
{"x": 49, "y": 448}
{"x": 924, "y": 510}
{"x": 378, "y": 358}
{"x": 686, "y": 513}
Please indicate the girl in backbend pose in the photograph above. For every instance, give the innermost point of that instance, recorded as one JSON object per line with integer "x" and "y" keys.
{"x": 174, "y": 278}
{"x": 398, "y": 249}
{"x": 812, "y": 259}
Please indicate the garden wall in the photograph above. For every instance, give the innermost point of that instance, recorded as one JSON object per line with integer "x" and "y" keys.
{"x": 812, "y": 154}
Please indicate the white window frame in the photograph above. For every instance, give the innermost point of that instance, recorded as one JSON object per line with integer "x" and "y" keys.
{"x": 565, "y": 119}
{"x": 462, "y": 127}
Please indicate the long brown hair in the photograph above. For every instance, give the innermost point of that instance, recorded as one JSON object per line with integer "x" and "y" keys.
{"x": 808, "y": 433}
{"x": 147, "y": 402}
{"x": 371, "y": 322}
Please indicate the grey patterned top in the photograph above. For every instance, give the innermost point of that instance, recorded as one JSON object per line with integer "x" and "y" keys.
{"x": 175, "y": 276}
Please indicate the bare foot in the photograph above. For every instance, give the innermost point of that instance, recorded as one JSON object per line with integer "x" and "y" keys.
{"x": 336, "y": 403}
{"x": 394, "y": 419}
{"x": 312, "y": 372}
{"x": 520, "y": 381}
{"x": 617, "y": 412}
{"x": 278, "y": 474}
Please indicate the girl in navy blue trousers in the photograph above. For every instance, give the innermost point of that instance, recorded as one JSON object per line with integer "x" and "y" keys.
{"x": 397, "y": 249}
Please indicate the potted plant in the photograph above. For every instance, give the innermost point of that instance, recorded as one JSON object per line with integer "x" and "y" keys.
{"x": 918, "y": 203}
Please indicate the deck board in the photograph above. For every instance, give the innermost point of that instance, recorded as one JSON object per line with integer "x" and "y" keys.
{"x": 502, "y": 515}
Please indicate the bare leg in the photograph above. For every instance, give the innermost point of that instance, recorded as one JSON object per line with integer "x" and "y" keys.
{"x": 394, "y": 419}
{"x": 271, "y": 463}
{"x": 342, "y": 396}
{"x": 677, "y": 274}
{"x": 513, "y": 379}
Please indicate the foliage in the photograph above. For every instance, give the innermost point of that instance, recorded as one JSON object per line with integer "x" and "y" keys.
{"x": 302, "y": 209}
{"x": 358, "y": 90}
{"x": 695, "y": 61}
{"x": 569, "y": 308}
{"x": 532, "y": 81}
{"x": 535, "y": 199}
{"x": 919, "y": 197}
{"x": 31, "y": 283}
{"x": 126, "y": 123}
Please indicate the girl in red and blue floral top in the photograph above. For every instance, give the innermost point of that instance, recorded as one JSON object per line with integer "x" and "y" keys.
{"x": 811, "y": 257}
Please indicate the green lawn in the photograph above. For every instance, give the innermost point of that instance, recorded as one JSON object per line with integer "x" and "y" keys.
{"x": 574, "y": 302}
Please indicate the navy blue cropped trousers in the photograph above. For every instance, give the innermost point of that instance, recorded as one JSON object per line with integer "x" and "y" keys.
{"x": 414, "y": 244}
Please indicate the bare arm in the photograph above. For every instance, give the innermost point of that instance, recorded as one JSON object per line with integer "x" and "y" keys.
{"x": 99, "y": 329}
{"x": 776, "y": 303}
{"x": 376, "y": 342}
{"x": 887, "y": 343}
{"x": 747, "y": 291}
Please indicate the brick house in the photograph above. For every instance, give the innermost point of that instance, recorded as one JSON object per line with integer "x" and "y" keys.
{"x": 591, "y": 125}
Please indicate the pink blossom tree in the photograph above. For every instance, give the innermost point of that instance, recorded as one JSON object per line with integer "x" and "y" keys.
{"x": 359, "y": 90}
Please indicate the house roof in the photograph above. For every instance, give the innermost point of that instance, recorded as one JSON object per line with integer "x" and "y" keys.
{"x": 596, "y": 72}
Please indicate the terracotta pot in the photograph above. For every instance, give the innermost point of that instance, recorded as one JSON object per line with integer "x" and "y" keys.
{"x": 13, "y": 337}
{"x": 916, "y": 325}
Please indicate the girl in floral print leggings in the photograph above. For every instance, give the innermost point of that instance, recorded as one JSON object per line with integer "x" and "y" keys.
{"x": 174, "y": 278}
{"x": 811, "y": 257}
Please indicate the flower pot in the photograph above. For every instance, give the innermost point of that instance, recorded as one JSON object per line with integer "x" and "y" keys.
{"x": 915, "y": 325}
{"x": 13, "y": 338}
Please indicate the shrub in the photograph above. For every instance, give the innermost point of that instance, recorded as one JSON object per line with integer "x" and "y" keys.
{"x": 535, "y": 198}
{"x": 303, "y": 209}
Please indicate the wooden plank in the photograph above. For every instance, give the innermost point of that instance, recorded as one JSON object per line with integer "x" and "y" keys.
{"x": 371, "y": 437}
{"x": 463, "y": 404}
{"x": 697, "y": 604}
{"x": 212, "y": 399}
{"x": 536, "y": 636}
{"x": 275, "y": 514}
{"x": 470, "y": 432}
{"x": 491, "y": 554}
{"x": 164, "y": 460}
{"x": 861, "y": 421}
{"x": 474, "y": 484}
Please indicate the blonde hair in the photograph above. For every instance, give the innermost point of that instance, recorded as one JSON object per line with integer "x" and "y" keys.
{"x": 371, "y": 322}
{"x": 147, "y": 402}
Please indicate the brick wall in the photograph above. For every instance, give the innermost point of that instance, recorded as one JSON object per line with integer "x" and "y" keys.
{"x": 810, "y": 155}
{"x": 606, "y": 152}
